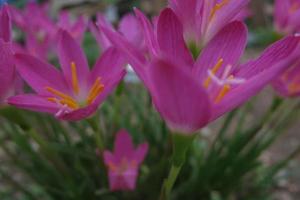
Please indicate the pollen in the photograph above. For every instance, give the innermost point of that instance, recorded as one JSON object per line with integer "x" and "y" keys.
{"x": 217, "y": 7}
{"x": 74, "y": 78}
{"x": 61, "y": 98}
{"x": 215, "y": 69}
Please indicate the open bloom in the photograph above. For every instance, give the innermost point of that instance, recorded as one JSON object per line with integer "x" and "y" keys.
{"x": 41, "y": 31}
{"x": 288, "y": 84}
{"x": 76, "y": 92}
{"x": 286, "y": 16}
{"x": 203, "y": 19}
{"x": 190, "y": 93}
{"x": 123, "y": 164}
{"x": 129, "y": 26}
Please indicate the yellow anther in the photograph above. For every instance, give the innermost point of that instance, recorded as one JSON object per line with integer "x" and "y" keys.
{"x": 52, "y": 99}
{"x": 69, "y": 103}
{"x": 74, "y": 78}
{"x": 65, "y": 99}
{"x": 95, "y": 90}
{"x": 217, "y": 7}
{"x": 214, "y": 71}
{"x": 226, "y": 88}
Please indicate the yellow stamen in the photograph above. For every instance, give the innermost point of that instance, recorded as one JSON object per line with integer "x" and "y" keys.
{"x": 65, "y": 99}
{"x": 96, "y": 89}
{"x": 74, "y": 78}
{"x": 217, "y": 7}
{"x": 70, "y": 104}
{"x": 223, "y": 92}
{"x": 52, "y": 99}
{"x": 226, "y": 88}
{"x": 214, "y": 71}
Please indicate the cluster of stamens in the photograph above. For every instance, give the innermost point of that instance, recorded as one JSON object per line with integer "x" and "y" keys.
{"x": 123, "y": 167}
{"x": 226, "y": 81}
{"x": 68, "y": 102}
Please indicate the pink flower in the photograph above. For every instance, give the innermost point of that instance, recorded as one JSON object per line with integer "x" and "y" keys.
{"x": 190, "y": 93}
{"x": 203, "y": 19}
{"x": 41, "y": 30}
{"x": 129, "y": 26}
{"x": 75, "y": 93}
{"x": 288, "y": 84}
{"x": 123, "y": 164}
{"x": 286, "y": 16}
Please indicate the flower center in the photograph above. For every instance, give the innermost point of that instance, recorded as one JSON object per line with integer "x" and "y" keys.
{"x": 217, "y": 7}
{"x": 225, "y": 82}
{"x": 67, "y": 102}
{"x": 123, "y": 166}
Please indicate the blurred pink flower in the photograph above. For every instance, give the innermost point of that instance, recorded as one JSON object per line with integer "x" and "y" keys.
{"x": 41, "y": 31}
{"x": 190, "y": 93}
{"x": 286, "y": 16}
{"x": 129, "y": 26}
{"x": 124, "y": 162}
{"x": 203, "y": 19}
{"x": 288, "y": 84}
{"x": 75, "y": 93}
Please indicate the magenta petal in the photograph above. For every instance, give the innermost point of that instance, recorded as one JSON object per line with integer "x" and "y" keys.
{"x": 251, "y": 87}
{"x": 229, "y": 44}
{"x": 135, "y": 57}
{"x": 131, "y": 29}
{"x": 110, "y": 64}
{"x": 39, "y": 74}
{"x": 149, "y": 34}
{"x": 34, "y": 103}
{"x": 123, "y": 146}
{"x": 80, "y": 114}
{"x": 70, "y": 52}
{"x": 178, "y": 97}
{"x": 281, "y": 13}
{"x": 7, "y": 68}
{"x": 170, "y": 38}
{"x": 272, "y": 55}
{"x": 5, "y": 24}
{"x": 140, "y": 152}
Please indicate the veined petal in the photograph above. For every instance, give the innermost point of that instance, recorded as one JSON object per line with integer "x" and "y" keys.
{"x": 272, "y": 55}
{"x": 178, "y": 97}
{"x": 34, "y": 103}
{"x": 224, "y": 16}
{"x": 69, "y": 53}
{"x": 170, "y": 38}
{"x": 110, "y": 64}
{"x": 149, "y": 34}
{"x": 5, "y": 24}
{"x": 228, "y": 45}
{"x": 39, "y": 74}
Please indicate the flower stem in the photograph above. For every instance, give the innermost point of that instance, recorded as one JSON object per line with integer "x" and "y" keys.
{"x": 181, "y": 143}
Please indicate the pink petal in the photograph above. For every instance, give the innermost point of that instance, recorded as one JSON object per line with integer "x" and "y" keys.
{"x": 178, "y": 97}
{"x": 69, "y": 52}
{"x": 140, "y": 152}
{"x": 5, "y": 24}
{"x": 80, "y": 114}
{"x": 34, "y": 103}
{"x": 229, "y": 44}
{"x": 149, "y": 34}
{"x": 131, "y": 29}
{"x": 110, "y": 64}
{"x": 39, "y": 74}
{"x": 123, "y": 146}
{"x": 7, "y": 68}
{"x": 170, "y": 38}
{"x": 281, "y": 13}
{"x": 272, "y": 55}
